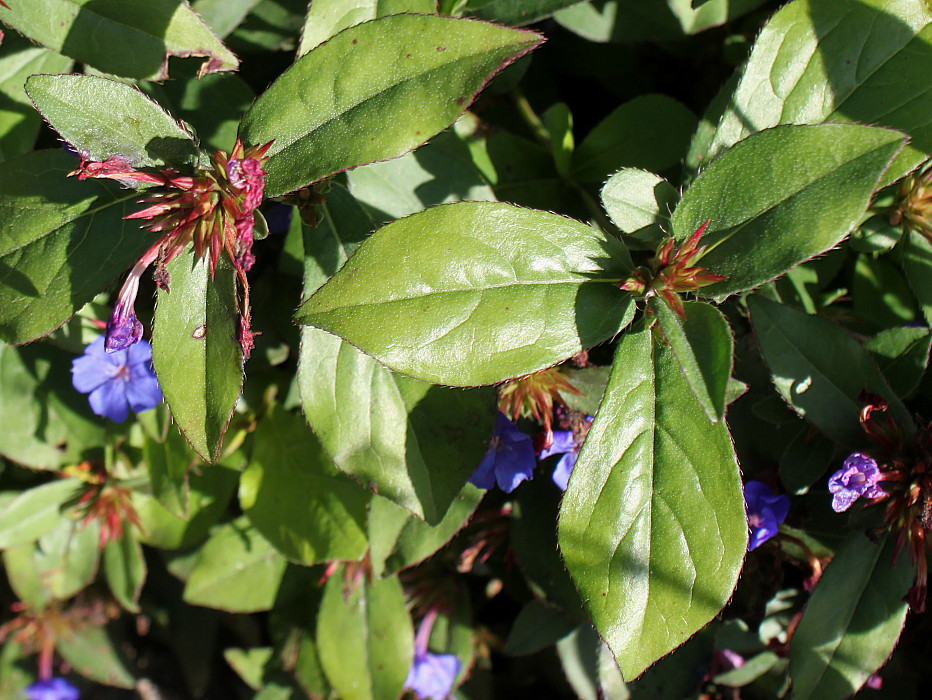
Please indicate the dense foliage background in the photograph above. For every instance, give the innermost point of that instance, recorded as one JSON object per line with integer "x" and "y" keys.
{"x": 622, "y": 391}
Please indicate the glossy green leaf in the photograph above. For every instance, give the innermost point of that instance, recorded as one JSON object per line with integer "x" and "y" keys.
{"x": 650, "y": 132}
{"x": 19, "y": 123}
{"x": 297, "y": 499}
{"x": 61, "y": 242}
{"x": 917, "y": 264}
{"x": 820, "y": 370}
{"x": 852, "y": 621}
{"x": 236, "y": 570}
{"x": 354, "y": 100}
{"x": 364, "y": 638}
{"x": 95, "y": 655}
{"x": 640, "y": 203}
{"x": 106, "y": 117}
{"x": 98, "y": 32}
{"x": 805, "y": 69}
{"x": 125, "y": 568}
{"x": 475, "y": 293}
{"x": 782, "y": 196}
{"x": 704, "y": 349}
{"x": 35, "y": 511}
{"x": 328, "y": 17}
{"x": 210, "y": 493}
{"x": 902, "y": 354}
{"x": 196, "y": 351}
{"x": 422, "y": 444}
{"x": 652, "y": 527}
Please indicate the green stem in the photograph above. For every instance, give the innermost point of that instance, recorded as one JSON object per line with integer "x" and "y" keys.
{"x": 530, "y": 117}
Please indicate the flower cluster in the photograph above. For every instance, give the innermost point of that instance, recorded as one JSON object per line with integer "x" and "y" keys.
{"x": 671, "y": 271}
{"x": 765, "y": 510}
{"x": 536, "y": 396}
{"x": 915, "y": 207}
{"x": 117, "y": 381}
{"x": 214, "y": 210}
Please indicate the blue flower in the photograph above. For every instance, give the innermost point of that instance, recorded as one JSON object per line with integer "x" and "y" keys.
{"x": 509, "y": 461}
{"x": 765, "y": 512}
{"x": 564, "y": 442}
{"x": 117, "y": 381}
{"x": 858, "y": 477}
{"x": 52, "y": 689}
{"x": 432, "y": 675}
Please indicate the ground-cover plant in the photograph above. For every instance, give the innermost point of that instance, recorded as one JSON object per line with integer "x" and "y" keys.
{"x": 489, "y": 334}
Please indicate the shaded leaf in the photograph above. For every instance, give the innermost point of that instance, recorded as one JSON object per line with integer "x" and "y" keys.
{"x": 94, "y": 655}
{"x": 364, "y": 638}
{"x": 61, "y": 242}
{"x": 328, "y": 17}
{"x": 819, "y": 370}
{"x": 297, "y": 499}
{"x": 852, "y": 621}
{"x": 90, "y": 30}
{"x": 125, "y": 568}
{"x": 640, "y": 203}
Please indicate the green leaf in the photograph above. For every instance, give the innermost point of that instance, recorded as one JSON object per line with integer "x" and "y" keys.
{"x": 780, "y": 197}
{"x": 55, "y": 567}
{"x": 639, "y": 203}
{"x": 873, "y": 71}
{"x": 61, "y": 242}
{"x": 516, "y": 12}
{"x": 223, "y": 16}
{"x": 536, "y": 627}
{"x": 652, "y": 526}
{"x": 880, "y": 293}
{"x": 105, "y": 117}
{"x": 806, "y": 458}
{"x": 249, "y": 664}
{"x": 101, "y": 32}
{"x": 34, "y": 512}
{"x": 168, "y": 461}
{"x": 297, "y": 499}
{"x": 125, "y": 569}
{"x": 902, "y": 354}
{"x": 326, "y": 18}
{"x": 364, "y": 638}
{"x": 19, "y": 123}
{"x": 415, "y": 540}
{"x": 422, "y": 444}
{"x": 93, "y": 654}
{"x": 196, "y": 351}
{"x": 475, "y": 293}
{"x": 558, "y": 121}
{"x": 650, "y": 132}
{"x": 819, "y": 370}
{"x": 236, "y": 570}
{"x": 354, "y": 100}
{"x": 917, "y": 264}
{"x": 852, "y": 621}
{"x": 704, "y": 348}
{"x": 210, "y": 492}
{"x": 439, "y": 172}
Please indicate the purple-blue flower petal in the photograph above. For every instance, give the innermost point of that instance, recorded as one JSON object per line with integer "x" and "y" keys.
{"x": 859, "y": 476}
{"x": 109, "y": 400}
{"x": 509, "y": 460}
{"x": 52, "y": 689}
{"x": 563, "y": 441}
{"x": 561, "y": 472}
{"x": 432, "y": 675}
{"x": 117, "y": 381}
{"x": 765, "y": 512}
